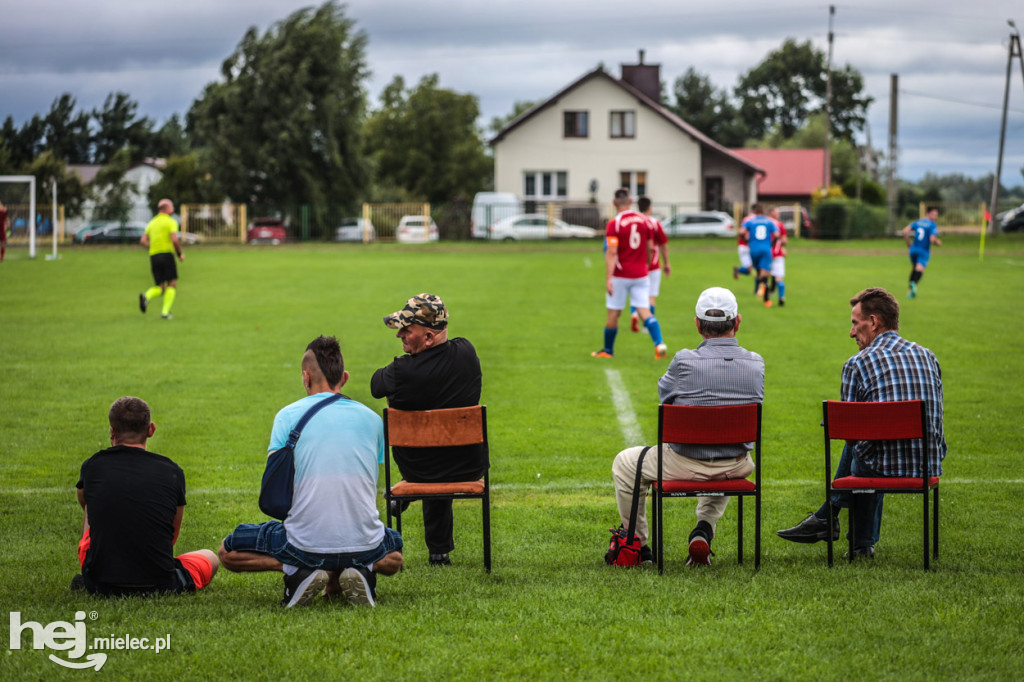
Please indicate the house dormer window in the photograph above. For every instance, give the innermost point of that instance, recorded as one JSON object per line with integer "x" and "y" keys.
{"x": 622, "y": 124}
{"x": 576, "y": 123}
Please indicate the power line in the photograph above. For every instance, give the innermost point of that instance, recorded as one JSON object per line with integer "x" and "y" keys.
{"x": 957, "y": 101}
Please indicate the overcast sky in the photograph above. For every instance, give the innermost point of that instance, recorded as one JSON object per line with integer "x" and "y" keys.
{"x": 950, "y": 55}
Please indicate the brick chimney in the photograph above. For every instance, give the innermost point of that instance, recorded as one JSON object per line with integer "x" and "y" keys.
{"x": 644, "y": 77}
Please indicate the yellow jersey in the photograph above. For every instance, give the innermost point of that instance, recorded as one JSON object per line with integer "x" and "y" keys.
{"x": 159, "y": 230}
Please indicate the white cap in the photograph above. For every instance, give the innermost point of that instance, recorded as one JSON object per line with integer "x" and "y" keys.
{"x": 717, "y": 298}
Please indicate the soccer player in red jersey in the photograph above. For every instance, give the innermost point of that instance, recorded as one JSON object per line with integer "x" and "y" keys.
{"x": 659, "y": 260}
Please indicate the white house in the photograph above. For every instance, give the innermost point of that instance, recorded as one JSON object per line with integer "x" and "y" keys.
{"x": 141, "y": 175}
{"x": 601, "y": 133}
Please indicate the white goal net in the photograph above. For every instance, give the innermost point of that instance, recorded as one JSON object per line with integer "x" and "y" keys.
{"x": 18, "y": 195}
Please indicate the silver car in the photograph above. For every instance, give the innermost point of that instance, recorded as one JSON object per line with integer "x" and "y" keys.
{"x": 537, "y": 226}
{"x": 700, "y": 224}
{"x": 353, "y": 230}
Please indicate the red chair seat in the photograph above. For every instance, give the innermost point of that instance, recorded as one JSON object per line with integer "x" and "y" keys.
{"x": 881, "y": 482}
{"x": 724, "y": 485}
{"x": 462, "y": 487}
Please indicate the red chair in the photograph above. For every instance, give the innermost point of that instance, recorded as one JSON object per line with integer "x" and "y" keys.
{"x": 431, "y": 429}
{"x": 719, "y": 425}
{"x": 894, "y": 420}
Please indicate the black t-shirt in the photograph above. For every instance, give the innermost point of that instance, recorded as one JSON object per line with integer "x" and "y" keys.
{"x": 438, "y": 378}
{"x": 131, "y": 497}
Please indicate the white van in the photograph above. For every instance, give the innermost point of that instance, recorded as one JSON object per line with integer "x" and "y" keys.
{"x": 490, "y": 207}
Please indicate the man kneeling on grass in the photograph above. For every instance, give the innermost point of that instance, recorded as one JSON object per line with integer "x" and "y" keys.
{"x": 134, "y": 501}
{"x": 333, "y": 536}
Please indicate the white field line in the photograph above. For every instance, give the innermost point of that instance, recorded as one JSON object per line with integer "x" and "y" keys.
{"x": 555, "y": 486}
{"x": 624, "y": 409}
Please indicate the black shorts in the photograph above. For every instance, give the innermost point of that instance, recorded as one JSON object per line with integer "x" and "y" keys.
{"x": 164, "y": 267}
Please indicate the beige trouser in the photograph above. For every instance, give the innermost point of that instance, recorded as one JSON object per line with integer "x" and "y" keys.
{"x": 674, "y": 467}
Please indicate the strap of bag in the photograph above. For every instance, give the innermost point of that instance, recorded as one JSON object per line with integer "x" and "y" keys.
{"x": 636, "y": 495}
{"x": 293, "y": 437}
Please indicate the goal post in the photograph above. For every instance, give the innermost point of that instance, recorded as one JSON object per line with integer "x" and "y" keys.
{"x": 30, "y": 222}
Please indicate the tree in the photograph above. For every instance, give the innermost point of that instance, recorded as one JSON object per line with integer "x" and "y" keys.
{"x": 789, "y": 85}
{"x": 425, "y": 141}
{"x": 22, "y": 144}
{"x": 70, "y": 190}
{"x": 67, "y": 132}
{"x": 111, "y": 192}
{"x": 499, "y": 122}
{"x": 118, "y": 128}
{"x": 170, "y": 139}
{"x": 186, "y": 182}
{"x": 707, "y": 109}
{"x": 284, "y": 124}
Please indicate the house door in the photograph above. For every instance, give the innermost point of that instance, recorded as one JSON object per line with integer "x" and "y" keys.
{"x": 713, "y": 193}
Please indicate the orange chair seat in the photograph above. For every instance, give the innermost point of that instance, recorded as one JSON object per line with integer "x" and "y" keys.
{"x": 724, "y": 485}
{"x": 881, "y": 482}
{"x": 465, "y": 487}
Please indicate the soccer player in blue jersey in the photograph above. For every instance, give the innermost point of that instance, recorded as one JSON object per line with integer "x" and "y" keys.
{"x": 919, "y": 236}
{"x": 760, "y": 232}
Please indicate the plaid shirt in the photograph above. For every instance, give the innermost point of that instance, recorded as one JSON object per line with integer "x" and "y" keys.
{"x": 892, "y": 368}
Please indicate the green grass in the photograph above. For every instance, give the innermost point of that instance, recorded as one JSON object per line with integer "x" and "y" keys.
{"x": 73, "y": 341}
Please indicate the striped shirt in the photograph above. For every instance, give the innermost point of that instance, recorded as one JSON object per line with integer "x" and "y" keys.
{"x": 892, "y": 368}
{"x": 718, "y": 372}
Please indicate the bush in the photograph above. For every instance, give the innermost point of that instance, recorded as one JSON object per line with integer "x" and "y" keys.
{"x": 850, "y": 219}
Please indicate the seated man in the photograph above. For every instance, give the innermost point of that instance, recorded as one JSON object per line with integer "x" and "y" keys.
{"x": 436, "y": 373}
{"x": 718, "y": 372}
{"x": 887, "y": 367}
{"x": 333, "y": 536}
{"x": 133, "y": 502}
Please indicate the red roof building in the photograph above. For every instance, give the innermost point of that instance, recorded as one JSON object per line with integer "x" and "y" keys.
{"x": 789, "y": 174}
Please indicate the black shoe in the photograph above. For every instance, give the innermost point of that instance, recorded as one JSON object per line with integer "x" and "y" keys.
{"x": 77, "y": 582}
{"x": 143, "y": 302}
{"x": 864, "y": 552}
{"x": 302, "y": 587}
{"x": 700, "y": 545}
{"x": 396, "y": 507}
{"x": 440, "y": 560}
{"x": 359, "y": 585}
{"x": 646, "y": 556}
{"x": 782, "y": 302}
{"x": 811, "y": 529}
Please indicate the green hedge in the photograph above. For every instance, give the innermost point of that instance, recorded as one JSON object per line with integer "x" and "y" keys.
{"x": 850, "y": 219}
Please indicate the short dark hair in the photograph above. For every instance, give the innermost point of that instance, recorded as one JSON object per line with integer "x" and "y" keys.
{"x": 880, "y": 303}
{"x": 327, "y": 352}
{"x": 757, "y": 208}
{"x": 708, "y": 328}
{"x": 129, "y": 420}
{"x": 621, "y": 195}
{"x": 643, "y": 203}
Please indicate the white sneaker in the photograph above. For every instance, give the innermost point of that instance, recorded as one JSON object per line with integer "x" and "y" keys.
{"x": 660, "y": 351}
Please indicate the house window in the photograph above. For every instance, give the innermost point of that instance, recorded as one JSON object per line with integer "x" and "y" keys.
{"x": 634, "y": 181}
{"x": 575, "y": 123}
{"x": 623, "y": 124}
{"x": 545, "y": 184}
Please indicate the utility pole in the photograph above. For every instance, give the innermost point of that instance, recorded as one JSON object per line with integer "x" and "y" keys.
{"x": 1014, "y": 51}
{"x": 826, "y": 180}
{"x": 891, "y": 176}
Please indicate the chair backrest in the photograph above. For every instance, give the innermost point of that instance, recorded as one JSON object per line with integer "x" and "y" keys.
{"x": 892, "y": 420}
{"x": 435, "y": 428}
{"x": 709, "y": 425}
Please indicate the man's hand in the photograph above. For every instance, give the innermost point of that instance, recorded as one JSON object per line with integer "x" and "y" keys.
{"x": 610, "y": 287}
{"x": 181, "y": 257}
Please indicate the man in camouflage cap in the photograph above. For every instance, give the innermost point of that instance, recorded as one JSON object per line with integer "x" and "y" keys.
{"x": 435, "y": 373}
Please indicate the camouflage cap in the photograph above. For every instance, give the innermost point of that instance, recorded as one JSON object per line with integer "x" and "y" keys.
{"x": 423, "y": 309}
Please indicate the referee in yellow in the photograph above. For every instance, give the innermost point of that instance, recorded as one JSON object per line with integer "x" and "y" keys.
{"x": 161, "y": 237}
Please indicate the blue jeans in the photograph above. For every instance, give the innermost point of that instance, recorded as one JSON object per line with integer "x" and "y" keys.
{"x": 867, "y": 517}
{"x": 270, "y": 538}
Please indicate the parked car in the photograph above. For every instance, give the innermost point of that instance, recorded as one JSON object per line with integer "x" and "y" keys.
{"x": 490, "y": 207}
{"x": 701, "y": 224}
{"x": 786, "y": 216}
{"x": 115, "y": 233}
{"x": 1012, "y": 220}
{"x": 266, "y": 231}
{"x": 353, "y": 230}
{"x": 413, "y": 229}
{"x": 537, "y": 226}
{"x": 91, "y": 226}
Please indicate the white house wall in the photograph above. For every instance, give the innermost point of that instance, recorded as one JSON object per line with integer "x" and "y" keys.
{"x": 670, "y": 157}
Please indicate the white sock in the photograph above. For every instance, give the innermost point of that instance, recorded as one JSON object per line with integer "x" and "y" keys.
{"x": 288, "y": 569}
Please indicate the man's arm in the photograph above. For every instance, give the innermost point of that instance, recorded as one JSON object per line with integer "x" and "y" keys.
{"x": 907, "y": 232}
{"x": 177, "y": 246}
{"x": 382, "y": 383}
{"x": 178, "y": 515}
{"x": 610, "y": 256}
{"x": 144, "y": 239}
{"x": 85, "y": 511}
{"x": 664, "y": 259}
{"x": 936, "y": 240}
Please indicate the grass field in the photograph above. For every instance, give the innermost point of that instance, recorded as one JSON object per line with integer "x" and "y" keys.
{"x": 73, "y": 341}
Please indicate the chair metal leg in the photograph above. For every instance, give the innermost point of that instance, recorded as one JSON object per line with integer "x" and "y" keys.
{"x": 660, "y": 536}
{"x": 828, "y": 536}
{"x": 739, "y": 531}
{"x": 935, "y": 526}
{"x": 924, "y": 497}
{"x": 757, "y": 530}
{"x": 851, "y": 532}
{"x": 487, "y": 532}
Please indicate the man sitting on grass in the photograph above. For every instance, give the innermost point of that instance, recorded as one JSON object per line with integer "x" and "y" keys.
{"x": 134, "y": 501}
{"x": 333, "y": 536}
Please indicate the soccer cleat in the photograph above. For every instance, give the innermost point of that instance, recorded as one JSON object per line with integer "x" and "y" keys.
{"x": 303, "y": 586}
{"x": 634, "y": 322}
{"x": 782, "y": 302}
{"x": 359, "y": 585}
{"x": 768, "y": 304}
{"x": 601, "y": 354}
{"x": 735, "y": 272}
{"x": 143, "y": 302}
{"x": 168, "y": 316}
{"x": 913, "y": 290}
{"x": 660, "y": 351}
